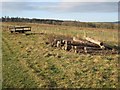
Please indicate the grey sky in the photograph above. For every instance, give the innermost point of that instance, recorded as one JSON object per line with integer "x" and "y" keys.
{"x": 105, "y": 7}
{"x": 87, "y": 11}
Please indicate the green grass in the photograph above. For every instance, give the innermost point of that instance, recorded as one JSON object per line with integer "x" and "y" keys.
{"x": 28, "y": 62}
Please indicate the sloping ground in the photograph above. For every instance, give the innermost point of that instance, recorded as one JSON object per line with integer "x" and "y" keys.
{"x": 29, "y": 62}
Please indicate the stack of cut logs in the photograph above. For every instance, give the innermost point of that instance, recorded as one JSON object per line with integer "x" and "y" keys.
{"x": 79, "y": 46}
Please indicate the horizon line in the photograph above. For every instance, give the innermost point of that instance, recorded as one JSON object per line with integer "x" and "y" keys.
{"x": 60, "y": 19}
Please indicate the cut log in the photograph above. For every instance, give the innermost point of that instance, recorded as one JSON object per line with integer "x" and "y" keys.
{"x": 77, "y": 49}
{"x": 67, "y": 45}
{"x": 108, "y": 47}
{"x": 85, "y": 44}
{"x": 95, "y": 42}
{"x": 54, "y": 43}
{"x": 91, "y": 49}
{"x": 77, "y": 40}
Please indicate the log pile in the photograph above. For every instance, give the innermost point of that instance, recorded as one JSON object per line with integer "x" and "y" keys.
{"x": 88, "y": 45}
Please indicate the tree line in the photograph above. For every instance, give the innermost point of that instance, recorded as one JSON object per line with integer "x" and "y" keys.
{"x": 61, "y": 22}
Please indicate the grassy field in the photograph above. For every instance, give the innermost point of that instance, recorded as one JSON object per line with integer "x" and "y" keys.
{"x": 29, "y": 63}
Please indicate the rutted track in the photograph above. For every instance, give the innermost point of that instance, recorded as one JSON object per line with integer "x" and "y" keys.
{"x": 22, "y": 64}
{"x": 4, "y": 40}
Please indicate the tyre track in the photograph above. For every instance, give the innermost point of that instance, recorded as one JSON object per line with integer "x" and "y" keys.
{"x": 38, "y": 79}
{"x": 6, "y": 43}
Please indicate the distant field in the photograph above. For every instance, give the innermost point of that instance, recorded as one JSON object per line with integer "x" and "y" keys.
{"x": 28, "y": 62}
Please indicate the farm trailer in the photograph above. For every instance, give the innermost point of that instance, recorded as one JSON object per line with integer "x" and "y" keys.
{"x": 19, "y": 29}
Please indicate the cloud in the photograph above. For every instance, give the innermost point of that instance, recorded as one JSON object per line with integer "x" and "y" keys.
{"x": 61, "y": 7}
{"x": 90, "y": 7}
{"x": 59, "y": 0}
{"x": 28, "y": 6}
{"x": 15, "y": 6}
{"x": 11, "y": 0}
{"x": 89, "y": 0}
{"x": 82, "y": 7}
{"x": 30, "y": 0}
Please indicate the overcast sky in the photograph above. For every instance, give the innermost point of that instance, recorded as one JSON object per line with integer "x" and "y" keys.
{"x": 60, "y": 0}
{"x": 89, "y": 10}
